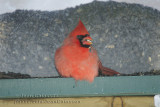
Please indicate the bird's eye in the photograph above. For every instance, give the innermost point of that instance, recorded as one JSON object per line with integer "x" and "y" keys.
{"x": 86, "y": 35}
{"x": 79, "y": 36}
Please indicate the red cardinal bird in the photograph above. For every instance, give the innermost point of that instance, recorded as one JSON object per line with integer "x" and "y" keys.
{"x": 77, "y": 58}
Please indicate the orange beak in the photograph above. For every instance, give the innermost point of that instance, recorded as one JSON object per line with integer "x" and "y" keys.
{"x": 87, "y": 41}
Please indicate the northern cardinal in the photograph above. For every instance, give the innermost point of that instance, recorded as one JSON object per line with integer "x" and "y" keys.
{"x": 77, "y": 58}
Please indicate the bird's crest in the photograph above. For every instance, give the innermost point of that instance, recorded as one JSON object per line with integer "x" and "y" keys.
{"x": 80, "y": 29}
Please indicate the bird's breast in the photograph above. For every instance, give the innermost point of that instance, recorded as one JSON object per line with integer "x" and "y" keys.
{"x": 80, "y": 53}
{"x": 77, "y": 62}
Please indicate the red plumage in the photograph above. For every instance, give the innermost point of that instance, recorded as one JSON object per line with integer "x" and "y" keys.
{"x": 77, "y": 58}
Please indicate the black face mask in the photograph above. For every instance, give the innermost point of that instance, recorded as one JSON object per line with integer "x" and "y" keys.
{"x": 80, "y": 38}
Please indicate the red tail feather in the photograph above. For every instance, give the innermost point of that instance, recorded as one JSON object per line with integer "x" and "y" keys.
{"x": 107, "y": 71}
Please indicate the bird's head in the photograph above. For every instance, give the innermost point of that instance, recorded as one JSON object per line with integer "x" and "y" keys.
{"x": 81, "y": 35}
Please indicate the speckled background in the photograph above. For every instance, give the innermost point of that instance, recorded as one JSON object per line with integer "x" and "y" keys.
{"x": 126, "y": 36}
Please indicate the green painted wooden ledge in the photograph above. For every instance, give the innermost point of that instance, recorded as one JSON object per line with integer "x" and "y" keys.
{"x": 66, "y": 87}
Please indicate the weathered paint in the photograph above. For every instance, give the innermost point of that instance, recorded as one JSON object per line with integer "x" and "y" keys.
{"x": 66, "y": 87}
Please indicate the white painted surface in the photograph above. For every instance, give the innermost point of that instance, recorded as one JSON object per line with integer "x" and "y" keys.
{"x": 157, "y": 100}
